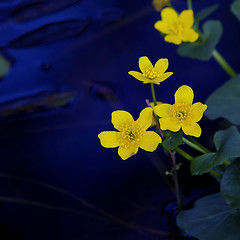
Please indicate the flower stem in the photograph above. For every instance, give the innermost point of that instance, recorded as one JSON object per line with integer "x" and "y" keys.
{"x": 190, "y": 158}
{"x": 193, "y": 145}
{"x": 223, "y": 63}
{"x": 198, "y": 144}
{"x": 189, "y": 4}
{"x": 175, "y": 180}
{"x": 153, "y": 94}
{"x": 184, "y": 154}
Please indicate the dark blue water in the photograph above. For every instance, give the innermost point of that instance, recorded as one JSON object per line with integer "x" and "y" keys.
{"x": 69, "y": 71}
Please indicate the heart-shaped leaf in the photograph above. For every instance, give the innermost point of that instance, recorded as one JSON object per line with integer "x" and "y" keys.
{"x": 227, "y": 143}
{"x": 230, "y": 184}
{"x": 210, "y": 219}
{"x": 201, "y": 15}
{"x": 202, "y": 49}
{"x": 225, "y": 102}
{"x": 235, "y": 9}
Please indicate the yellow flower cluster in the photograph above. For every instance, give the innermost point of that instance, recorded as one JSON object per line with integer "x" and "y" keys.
{"x": 132, "y": 135}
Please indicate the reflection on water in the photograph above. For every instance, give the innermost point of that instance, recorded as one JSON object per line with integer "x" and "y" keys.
{"x": 33, "y": 104}
{"x": 50, "y": 33}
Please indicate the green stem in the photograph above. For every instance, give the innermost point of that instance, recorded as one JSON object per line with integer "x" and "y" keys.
{"x": 220, "y": 59}
{"x": 153, "y": 94}
{"x": 196, "y": 145}
{"x": 215, "y": 173}
{"x": 184, "y": 154}
{"x": 223, "y": 63}
{"x": 189, "y": 4}
{"x": 190, "y": 158}
{"x": 227, "y": 163}
{"x": 193, "y": 145}
{"x": 175, "y": 178}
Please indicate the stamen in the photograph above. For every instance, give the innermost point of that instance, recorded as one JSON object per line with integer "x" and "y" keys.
{"x": 150, "y": 73}
{"x": 130, "y": 133}
{"x": 180, "y": 111}
{"x": 177, "y": 28}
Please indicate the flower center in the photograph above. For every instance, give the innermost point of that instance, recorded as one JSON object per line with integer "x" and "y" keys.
{"x": 150, "y": 73}
{"x": 130, "y": 133}
{"x": 177, "y": 28}
{"x": 180, "y": 111}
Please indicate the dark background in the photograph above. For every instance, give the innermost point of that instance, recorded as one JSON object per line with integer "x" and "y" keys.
{"x": 48, "y": 145}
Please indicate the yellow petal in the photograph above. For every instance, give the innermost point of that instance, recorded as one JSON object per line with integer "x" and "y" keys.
{"x": 169, "y": 123}
{"x": 172, "y": 38}
{"x": 150, "y": 141}
{"x": 161, "y": 78}
{"x": 169, "y": 15}
{"x": 120, "y": 117}
{"x": 162, "y": 110}
{"x": 189, "y": 35}
{"x": 109, "y": 139}
{"x": 191, "y": 128}
{"x": 144, "y": 63}
{"x": 126, "y": 153}
{"x": 184, "y": 94}
{"x": 154, "y": 123}
{"x": 162, "y": 27}
{"x": 145, "y": 118}
{"x": 161, "y": 65}
{"x": 149, "y": 81}
{"x": 152, "y": 103}
{"x": 187, "y": 18}
{"x": 139, "y": 76}
{"x": 197, "y": 111}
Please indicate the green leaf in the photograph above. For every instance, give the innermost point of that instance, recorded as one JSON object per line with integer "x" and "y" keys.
{"x": 210, "y": 219}
{"x": 4, "y": 66}
{"x": 172, "y": 140}
{"x": 202, "y": 49}
{"x": 230, "y": 184}
{"x": 235, "y": 9}
{"x": 201, "y": 15}
{"x": 225, "y": 102}
{"x": 204, "y": 163}
{"x": 227, "y": 143}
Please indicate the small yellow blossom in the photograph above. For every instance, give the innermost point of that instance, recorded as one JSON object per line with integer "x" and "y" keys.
{"x": 132, "y": 134}
{"x": 151, "y": 74}
{"x": 177, "y": 28}
{"x": 183, "y": 114}
{"x": 159, "y": 4}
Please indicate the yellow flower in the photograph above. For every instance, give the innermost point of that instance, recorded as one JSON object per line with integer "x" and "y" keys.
{"x": 183, "y": 114}
{"x": 159, "y": 4}
{"x": 151, "y": 74}
{"x": 132, "y": 134}
{"x": 177, "y": 28}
